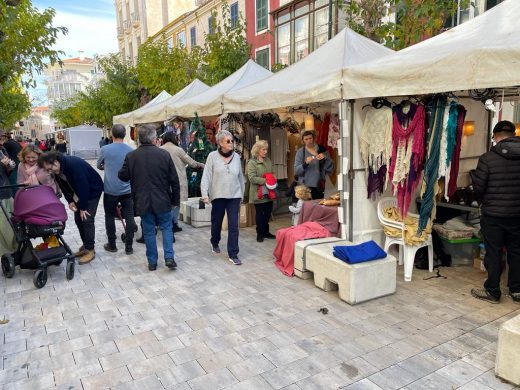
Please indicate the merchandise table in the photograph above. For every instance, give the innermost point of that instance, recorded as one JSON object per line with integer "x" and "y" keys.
{"x": 326, "y": 216}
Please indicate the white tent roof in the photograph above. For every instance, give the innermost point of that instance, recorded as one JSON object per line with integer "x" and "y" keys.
{"x": 210, "y": 102}
{"x": 481, "y": 53}
{"x": 129, "y": 117}
{"x": 161, "y": 112}
{"x": 316, "y": 78}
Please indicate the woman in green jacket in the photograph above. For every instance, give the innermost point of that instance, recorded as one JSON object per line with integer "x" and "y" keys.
{"x": 258, "y": 165}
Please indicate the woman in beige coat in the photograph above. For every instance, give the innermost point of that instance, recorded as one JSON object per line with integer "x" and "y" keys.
{"x": 180, "y": 160}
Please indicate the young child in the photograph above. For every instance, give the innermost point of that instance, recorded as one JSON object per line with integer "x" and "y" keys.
{"x": 302, "y": 193}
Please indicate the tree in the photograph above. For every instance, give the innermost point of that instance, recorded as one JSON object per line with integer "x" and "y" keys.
{"x": 14, "y": 104}
{"x": 160, "y": 67}
{"x": 416, "y": 20}
{"x": 68, "y": 111}
{"x": 225, "y": 49}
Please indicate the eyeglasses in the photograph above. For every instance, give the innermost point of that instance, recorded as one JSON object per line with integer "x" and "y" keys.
{"x": 228, "y": 141}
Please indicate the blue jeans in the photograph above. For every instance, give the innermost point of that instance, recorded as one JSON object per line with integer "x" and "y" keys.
{"x": 218, "y": 208}
{"x": 149, "y": 221}
{"x": 175, "y": 215}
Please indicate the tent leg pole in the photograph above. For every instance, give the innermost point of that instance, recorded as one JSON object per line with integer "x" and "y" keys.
{"x": 345, "y": 179}
{"x": 351, "y": 173}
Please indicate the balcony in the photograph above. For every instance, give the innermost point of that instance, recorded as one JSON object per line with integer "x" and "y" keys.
{"x": 127, "y": 24}
{"x": 134, "y": 16}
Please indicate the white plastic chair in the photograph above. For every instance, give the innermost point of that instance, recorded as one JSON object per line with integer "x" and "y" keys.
{"x": 406, "y": 252}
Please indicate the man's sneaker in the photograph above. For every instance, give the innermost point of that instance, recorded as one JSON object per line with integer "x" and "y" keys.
{"x": 80, "y": 252}
{"x": 140, "y": 240}
{"x": 269, "y": 236}
{"x": 110, "y": 248}
{"x": 215, "y": 250}
{"x": 515, "y": 297}
{"x": 482, "y": 293}
{"x": 235, "y": 260}
{"x": 259, "y": 238}
{"x": 129, "y": 250}
{"x": 177, "y": 228}
{"x": 170, "y": 263}
{"x": 152, "y": 267}
{"x": 87, "y": 257}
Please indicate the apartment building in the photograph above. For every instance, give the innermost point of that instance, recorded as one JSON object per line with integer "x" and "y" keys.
{"x": 37, "y": 124}
{"x": 137, "y": 20}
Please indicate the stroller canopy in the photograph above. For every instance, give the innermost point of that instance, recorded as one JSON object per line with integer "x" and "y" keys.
{"x": 38, "y": 205}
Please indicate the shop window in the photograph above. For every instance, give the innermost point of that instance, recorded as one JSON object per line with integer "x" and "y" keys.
{"x": 193, "y": 36}
{"x": 262, "y": 58}
{"x": 261, "y": 15}
{"x": 233, "y": 10}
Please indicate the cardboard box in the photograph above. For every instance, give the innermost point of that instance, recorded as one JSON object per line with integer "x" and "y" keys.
{"x": 247, "y": 216}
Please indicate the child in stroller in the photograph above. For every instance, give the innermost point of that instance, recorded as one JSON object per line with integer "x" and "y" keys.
{"x": 38, "y": 213}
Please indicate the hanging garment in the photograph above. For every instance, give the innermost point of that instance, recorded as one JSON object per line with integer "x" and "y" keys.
{"x": 407, "y": 153}
{"x": 375, "y": 143}
{"x": 294, "y": 141}
{"x": 431, "y": 166}
{"x": 454, "y": 170}
{"x": 451, "y": 135}
{"x": 279, "y": 149}
{"x": 333, "y": 134}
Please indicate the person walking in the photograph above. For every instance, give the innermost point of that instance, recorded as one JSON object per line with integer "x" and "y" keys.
{"x": 180, "y": 159}
{"x": 82, "y": 187}
{"x": 111, "y": 158}
{"x": 312, "y": 163}
{"x": 496, "y": 183}
{"x": 155, "y": 189}
{"x": 222, "y": 184}
{"x": 257, "y": 167}
{"x": 61, "y": 144}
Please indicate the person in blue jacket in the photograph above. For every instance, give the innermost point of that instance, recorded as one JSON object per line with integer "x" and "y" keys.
{"x": 82, "y": 187}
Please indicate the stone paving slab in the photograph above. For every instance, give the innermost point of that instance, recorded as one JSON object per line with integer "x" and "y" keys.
{"x": 210, "y": 324}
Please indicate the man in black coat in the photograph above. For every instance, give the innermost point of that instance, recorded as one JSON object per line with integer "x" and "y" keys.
{"x": 82, "y": 187}
{"x": 155, "y": 189}
{"x": 497, "y": 185}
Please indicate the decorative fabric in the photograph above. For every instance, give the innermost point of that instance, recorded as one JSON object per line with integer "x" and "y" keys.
{"x": 360, "y": 253}
{"x": 411, "y": 224}
{"x": 454, "y": 170}
{"x": 451, "y": 135}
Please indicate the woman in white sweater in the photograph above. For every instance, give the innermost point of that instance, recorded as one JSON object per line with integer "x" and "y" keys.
{"x": 223, "y": 185}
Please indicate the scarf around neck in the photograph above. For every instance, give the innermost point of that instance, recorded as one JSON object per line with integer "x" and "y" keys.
{"x": 30, "y": 173}
{"x": 225, "y": 154}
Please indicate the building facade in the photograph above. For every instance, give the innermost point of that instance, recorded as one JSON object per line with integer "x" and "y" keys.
{"x": 137, "y": 20}
{"x": 36, "y": 125}
{"x": 72, "y": 77}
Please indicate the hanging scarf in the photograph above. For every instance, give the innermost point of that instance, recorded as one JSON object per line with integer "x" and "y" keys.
{"x": 454, "y": 171}
{"x": 431, "y": 168}
{"x": 451, "y": 135}
{"x": 407, "y": 154}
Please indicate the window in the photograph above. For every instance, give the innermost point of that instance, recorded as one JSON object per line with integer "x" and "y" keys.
{"x": 301, "y": 37}
{"x": 234, "y": 14}
{"x": 262, "y": 58}
{"x": 210, "y": 25}
{"x": 284, "y": 44}
{"x": 321, "y": 27}
{"x": 193, "y": 36}
{"x": 181, "y": 39}
{"x": 261, "y": 15}
{"x": 170, "y": 43}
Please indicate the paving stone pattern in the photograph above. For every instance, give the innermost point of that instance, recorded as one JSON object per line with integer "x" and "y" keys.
{"x": 212, "y": 325}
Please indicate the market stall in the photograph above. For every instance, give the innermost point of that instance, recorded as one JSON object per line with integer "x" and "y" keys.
{"x": 130, "y": 118}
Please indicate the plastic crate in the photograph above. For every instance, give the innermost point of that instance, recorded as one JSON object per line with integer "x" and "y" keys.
{"x": 463, "y": 251}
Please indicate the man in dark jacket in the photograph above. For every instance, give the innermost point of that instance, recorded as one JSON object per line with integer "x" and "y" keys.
{"x": 497, "y": 185}
{"x": 13, "y": 148}
{"x": 82, "y": 187}
{"x": 155, "y": 189}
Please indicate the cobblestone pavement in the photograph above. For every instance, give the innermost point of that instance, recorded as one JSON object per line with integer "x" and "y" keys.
{"x": 212, "y": 325}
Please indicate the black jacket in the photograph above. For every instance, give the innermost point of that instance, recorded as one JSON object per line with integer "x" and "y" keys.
{"x": 497, "y": 180}
{"x": 80, "y": 179}
{"x": 154, "y": 180}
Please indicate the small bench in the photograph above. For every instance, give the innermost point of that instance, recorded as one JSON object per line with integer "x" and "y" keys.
{"x": 355, "y": 282}
{"x": 300, "y": 254}
{"x": 507, "y": 365}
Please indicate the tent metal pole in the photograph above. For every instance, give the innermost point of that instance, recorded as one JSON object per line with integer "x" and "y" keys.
{"x": 489, "y": 130}
{"x": 351, "y": 174}
{"x": 346, "y": 175}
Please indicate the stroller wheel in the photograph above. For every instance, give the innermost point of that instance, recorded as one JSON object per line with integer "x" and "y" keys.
{"x": 69, "y": 272}
{"x": 8, "y": 265}
{"x": 40, "y": 278}
{"x": 123, "y": 237}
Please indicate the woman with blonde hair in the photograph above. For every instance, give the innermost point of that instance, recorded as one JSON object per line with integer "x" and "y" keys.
{"x": 29, "y": 172}
{"x": 259, "y": 173}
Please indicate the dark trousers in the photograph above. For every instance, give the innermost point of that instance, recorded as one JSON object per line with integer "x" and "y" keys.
{"x": 317, "y": 193}
{"x": 501, "y": 233}
{"x": 110, "y": 203}
{"x": 263, "y": 213}
{"x": 219, "y": 207}
{"x": 87, "y": 230}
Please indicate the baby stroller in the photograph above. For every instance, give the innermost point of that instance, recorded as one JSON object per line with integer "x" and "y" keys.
{"x": 38, "y": 213}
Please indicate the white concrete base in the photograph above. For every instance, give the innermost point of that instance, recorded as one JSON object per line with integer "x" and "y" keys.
{"x": 184, "y": 212}
{"x": 507, "y": 365}
{"x": 300, "y": 252}
{"x": 356, "y": 282}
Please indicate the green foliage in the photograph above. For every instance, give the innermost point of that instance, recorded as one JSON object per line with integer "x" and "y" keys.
{"x": 416, "y": 19}
{"x": 225, "y": 50}
{"x": 26, "y": 44}
{"x": 198, "y": 150}
{"x": 278, "y": 67}
{"x": 160, "y": 67}
{"x": 14, "y": 104}
{"x": 117, "y": 94}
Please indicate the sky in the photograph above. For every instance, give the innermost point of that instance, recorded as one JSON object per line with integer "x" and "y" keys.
{"x": 92, "y": 29}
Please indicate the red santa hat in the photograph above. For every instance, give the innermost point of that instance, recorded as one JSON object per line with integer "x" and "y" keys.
{"x": 270, "y": 181}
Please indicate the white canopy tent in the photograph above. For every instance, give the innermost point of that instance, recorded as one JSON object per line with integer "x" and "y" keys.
{"x": 161, "y": 112}
{"x": 481, "y": 53}
{"x": 210, "y": 102}
{"x": 316, "y": 78}
{"x": 129, "y": 118}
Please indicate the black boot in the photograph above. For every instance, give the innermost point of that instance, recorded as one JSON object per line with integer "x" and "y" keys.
{"x": 176, "y": 228}
{"x": 110, "y": 247}
{"x": 140, "y": 240}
